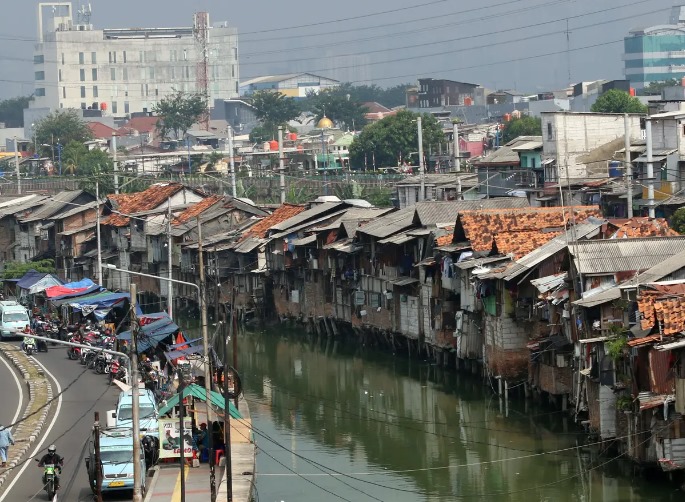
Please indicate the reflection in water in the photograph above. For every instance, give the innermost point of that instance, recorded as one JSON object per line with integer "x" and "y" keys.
{"x": 405, "y": 431}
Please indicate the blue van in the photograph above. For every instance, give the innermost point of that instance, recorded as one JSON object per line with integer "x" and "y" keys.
{"x": 116, "y": 456}
{"x": 148, "y": 412}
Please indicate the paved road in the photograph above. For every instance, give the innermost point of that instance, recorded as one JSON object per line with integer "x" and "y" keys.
{"x": 13, "y": 393}
{"x": 71, "y": 430}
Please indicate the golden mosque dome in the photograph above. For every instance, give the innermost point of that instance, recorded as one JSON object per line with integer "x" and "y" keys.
{"x": 325, "y": 123}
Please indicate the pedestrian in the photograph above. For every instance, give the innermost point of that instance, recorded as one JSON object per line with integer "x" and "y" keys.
{"x": 6, "y": 440}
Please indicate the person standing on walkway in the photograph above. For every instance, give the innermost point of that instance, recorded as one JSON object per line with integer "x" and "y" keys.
{"x": 6, "y": 440}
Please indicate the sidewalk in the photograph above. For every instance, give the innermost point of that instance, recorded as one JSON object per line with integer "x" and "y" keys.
{"x": 166, "y": 483}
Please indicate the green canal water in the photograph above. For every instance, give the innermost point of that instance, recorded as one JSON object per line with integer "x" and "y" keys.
{"x": 334, "y": 421}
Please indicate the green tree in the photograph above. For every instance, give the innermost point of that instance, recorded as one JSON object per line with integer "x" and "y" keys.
{"x": 273, "y": 109}
{"x": 96, "y": 165}
{"x": 678, "y": 221}
{"x": 617, "y": 101}
{"x": 337, "y": 105}
{"x": 72, "y": 155}
{"x": 15, "y": 269}
{"x": 524, "y": 126}
{"x": 393, "y": 136}
{"x": 655, "y": 88}
{"x": 178, "y": 112}
{"x": 12, "y": 110}
{"x": 389, "y": 97}
{"x": 61, "y": 126}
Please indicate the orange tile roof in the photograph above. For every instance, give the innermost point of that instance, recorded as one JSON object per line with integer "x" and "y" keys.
{"x": 481, "y": 226}
{"x": 100, "y": 130}
{"x": 195, "y": 210}
{"x": 140, "y": 124}
{"x": 444, "y": 240}
{"x": 519, "y": 244}
{"x": 284, "y": 212}
{"x": 146, "y": 200}
{"x": 643, "y": 227}
{"x": 668, "y": 311}
{"x": 645, "y": 340}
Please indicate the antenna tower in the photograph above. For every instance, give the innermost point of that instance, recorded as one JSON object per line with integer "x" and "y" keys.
{"x": 200, "y": 30}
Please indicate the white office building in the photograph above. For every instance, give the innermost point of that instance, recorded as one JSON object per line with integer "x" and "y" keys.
{"x": 123, "y": 71}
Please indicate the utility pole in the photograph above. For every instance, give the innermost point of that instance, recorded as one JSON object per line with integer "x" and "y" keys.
{"x": 114, "y": 162}
{"x": 16, "y": 164}
{"x": 170, "y": 286}
{"x": 231, "y": 159}
{"x": 98, "y": 462}
{"x": 455, "y": 148}
{"x": 135, "y": 410}
{"x": 422, "y": 170}
{"x": 227, "y": 409}
{"x": 628, "y": 166}
{"x": 181, "y": 433}
{"x": 97, "y": 229}
{"x": 203, "y": 316}
{"x": 280, "y": 163}
{"x": 650, "y": 168}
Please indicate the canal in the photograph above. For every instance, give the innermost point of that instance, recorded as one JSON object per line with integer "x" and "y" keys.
{"x": 334, "y": 421}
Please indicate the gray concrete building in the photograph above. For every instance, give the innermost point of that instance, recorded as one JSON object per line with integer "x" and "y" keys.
{"x": 123, "y": 71}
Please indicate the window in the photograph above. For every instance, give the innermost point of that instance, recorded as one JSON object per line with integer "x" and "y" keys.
{"x": 94, "y": 57}
{"x": 147, "y": 90}
{"x": 123, "y": 55}
{"x": 62, "y": 58}
{"x": 112, "y": 57}
{"x": 126, "y": 91}
{"x": 156, "y": 91}
{"x": 83, "y": 106}
{"x": 187, "y": 71}
{"x": 235, "y": 53}
{"x": 114, "y": 107}
{"x": 83, "y": 91}
{"x": 142, "y": 90}
{"x": 185, "y": 54}
{"x": 82, "y": 75}
{"x": 39, "y": 75}
{"x": 232, "y": 70}
{"x": 151, "y": 73}
{"x": 112, "y": 73}
{"x": 173, "y": 73}
{"x": 141, "y": 56}
{"x": 81, "y": 58}
{"x": 94, "y": 73}
{"x": 39, "y": 59}
{"x": 173, "y": 56}
{"x": 64, "y": 92}
{"x": 59, "y": 75}
{"x": 126, "y": 107}
{"x": 125, "y": 71}
{"x": 40, "y": 91}
{"x": 95, "y": 91}
{"x": 550, "y": 134}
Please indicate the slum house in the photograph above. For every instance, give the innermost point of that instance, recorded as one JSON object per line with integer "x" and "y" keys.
{"x": 512, "y": 233}
{"x": 37, "y": 233}
{"x": 599, "y": 265}
{"x": 321, "y": 267}
{"x": 391, "y": 284}
{"x": 620, "y": 302}
{"x": 218, "y": 216}
{"x": 292, "y": 258}
{"x": 10, "y": 212}
{"x": 437, "y": 186}
{"x": 515, "y": 166}
{"x": 72, "y": 229}
{"x": 545, "y": 288}
{"x": 117, "y": 229}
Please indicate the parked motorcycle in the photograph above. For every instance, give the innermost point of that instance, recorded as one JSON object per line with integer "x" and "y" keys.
{"x": 102, "y": 363}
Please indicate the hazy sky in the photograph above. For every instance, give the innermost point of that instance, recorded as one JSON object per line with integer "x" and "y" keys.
{"x": 502, "y": 44}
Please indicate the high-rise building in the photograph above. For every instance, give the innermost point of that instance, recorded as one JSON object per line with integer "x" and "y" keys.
{"x": 657, "y": 53}
{"x": 124, "y": 71}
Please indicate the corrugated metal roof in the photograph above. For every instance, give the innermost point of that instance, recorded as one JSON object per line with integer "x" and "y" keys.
{"x": 304, "y": 240}
{"x": 308, "y": 225}
{"x": 550, "y": 282}
{"x": 657, "y": 155}
{"x": 477, "y": 262}
{"x": 25, "y": 205}
{"x": 397, "y": 239}
{"x": 527, "y": 146}
{"x": 77, "y": 209}
{"x": 599, "y": 298}
{"x": 660, "y": 270}
{"x": 389, "y": 224}
{"x": 84, "y": 228}
{"x": 248, "y": 245}
{"x": 403, "y": 281}
{"x": 624, "y": 255}
{"x": 308, "y": 214}
{"x": 56, "y": 203}
{"x": 344, "y": 246}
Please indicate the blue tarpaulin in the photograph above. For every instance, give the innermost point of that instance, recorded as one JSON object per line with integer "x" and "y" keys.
{"x": 189, "y": 342}
{"x": 151, "y": 334}
{"x": 30, "y": 278}
{"x": 175, "y": 354}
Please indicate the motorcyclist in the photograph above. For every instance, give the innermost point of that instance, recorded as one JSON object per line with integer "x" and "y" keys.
{"x": 51, "y": 457}
{"x": 27, "y": 340}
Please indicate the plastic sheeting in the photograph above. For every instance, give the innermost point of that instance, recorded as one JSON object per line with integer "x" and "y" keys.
{"x": 152, "y": 334}
{"x": 187, "y": 351}
{"x": 46, "y": 282}
{"x": 30, "y": 278}
{"x": 71, "y": 289}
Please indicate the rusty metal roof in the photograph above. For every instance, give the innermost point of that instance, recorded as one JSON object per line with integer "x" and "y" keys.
{"x": 306, "y": 215}
{"x": 434, "y": 212}
{"x": 280, "y": 214}
{"x": 146, "y": 200}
